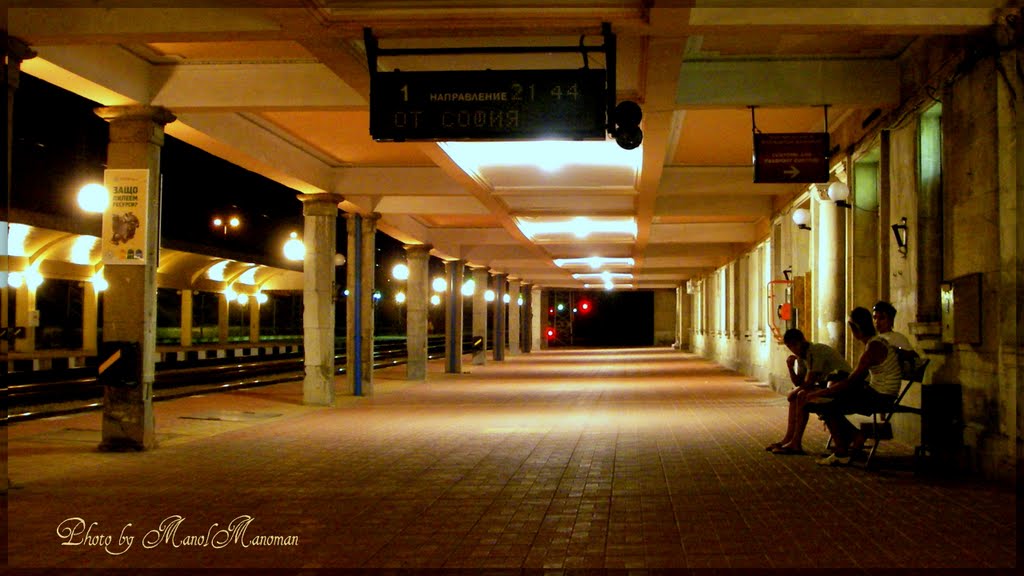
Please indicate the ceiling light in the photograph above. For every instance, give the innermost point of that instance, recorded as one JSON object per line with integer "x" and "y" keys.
{"x": 81, "y": 248}
{"x": 579, "y": 227}
{"x": 594, "y": 262}
{"x": 603, "y": 277}
{"x": 548, "y": 155}
{"x": 216, "y": 272}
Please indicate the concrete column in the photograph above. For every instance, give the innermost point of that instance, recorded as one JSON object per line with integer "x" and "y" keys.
{"x": 359, "y": 306}
{"x": 514, "y": 320}
{"x": 90, "y": 315}
{"x": 15, "y": 51}
{"x": 499, "y": 316}
{"x": 453, "y": 316}
{"x": 186, "y": 317}
{"x": 25, "y": 314}
{"x": 830, "y": 275}
{"x": 526, "y": 318}
{"x": 544, "y": 318}
{"x": 254, "y": 321}
{"x": 223, "y": 318}
{"x": 320, "y": 213}
{"x": 416, "y": 308}
{"x": 679, "y": 318}
{"x": 480, "y": 278}
{"x": 538, "y": 312}
{"x": 129, "y": 311}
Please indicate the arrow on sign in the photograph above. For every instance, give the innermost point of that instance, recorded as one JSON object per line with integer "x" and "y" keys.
{"x": 792, "y": 172}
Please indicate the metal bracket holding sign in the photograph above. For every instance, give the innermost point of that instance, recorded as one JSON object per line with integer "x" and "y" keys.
{"x": 790, "y": 157}
{"x": 576, "y": 104}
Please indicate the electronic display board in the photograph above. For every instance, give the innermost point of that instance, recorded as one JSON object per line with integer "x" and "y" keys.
{"x": 488, "y": 105}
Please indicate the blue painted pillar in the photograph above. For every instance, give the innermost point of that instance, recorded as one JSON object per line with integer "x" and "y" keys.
{"x": 453, "y": 316}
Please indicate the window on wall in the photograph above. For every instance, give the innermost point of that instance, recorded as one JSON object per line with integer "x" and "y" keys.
{"x": 930, "y": 158}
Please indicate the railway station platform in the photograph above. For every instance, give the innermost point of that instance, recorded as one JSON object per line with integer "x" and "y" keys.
{"x": 569, "y": 459}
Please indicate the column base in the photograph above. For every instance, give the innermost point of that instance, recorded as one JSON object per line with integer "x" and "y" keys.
{"x": 122, "y": 445}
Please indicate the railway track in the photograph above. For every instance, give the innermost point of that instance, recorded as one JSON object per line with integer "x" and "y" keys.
{"x": 42, "y": 394}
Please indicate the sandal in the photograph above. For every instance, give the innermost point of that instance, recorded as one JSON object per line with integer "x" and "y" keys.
{"x": 773, "y": 446}
{"x": 788, "y": 450}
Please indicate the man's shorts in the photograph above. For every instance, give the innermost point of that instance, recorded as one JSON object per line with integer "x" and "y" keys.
{"x": 857, "y": 399}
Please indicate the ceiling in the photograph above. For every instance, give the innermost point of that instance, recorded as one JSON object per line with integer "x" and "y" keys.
{"x": 281, "y": 87}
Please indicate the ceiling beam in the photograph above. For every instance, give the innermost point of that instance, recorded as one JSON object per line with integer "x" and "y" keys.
{"x": 664, "y": 56}
{"x": 725, "y": 205}
{"x": 242, "y": 142}
{"x": 730, "y": 83}
{"x": 718, "y": 180}
{"x": 264, "y": 86}
{"x": 932, "y": 18}
{"x": 65, "y": 25}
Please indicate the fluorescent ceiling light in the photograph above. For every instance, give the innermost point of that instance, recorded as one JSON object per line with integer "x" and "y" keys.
{"x": 608, "y": 286}
{"x": 603, "y": 277}
{"x": 549, "y": 155}
{"x": 81, "y": 248}
{"x": 249, "y": 276}
{"x": 15, "y": 239}
{"x": 216, "y": 272}
{"x": 580, "y": 226}
{"x": 594, "y": 262}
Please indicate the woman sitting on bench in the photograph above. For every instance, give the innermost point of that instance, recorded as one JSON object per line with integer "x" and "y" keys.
{"x": 855, "y": 395}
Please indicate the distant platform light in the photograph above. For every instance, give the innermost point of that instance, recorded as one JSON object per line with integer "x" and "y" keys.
{"x": 94, "y": 198}
{"x": 261, "y": 298}
{"x": 469, "y": 287}
{"x": 506, "y": 298}
{"x": 439, "y": 285}
{"x": 294, "y": 249}
{"x": 435, "y": 300}
{"x": 489, "y": 296}
{"x": 400, "y": 272}
{"x": 400, "y": 297}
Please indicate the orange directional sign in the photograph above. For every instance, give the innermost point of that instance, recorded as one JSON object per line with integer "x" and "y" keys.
{"x": 783, "y": 158}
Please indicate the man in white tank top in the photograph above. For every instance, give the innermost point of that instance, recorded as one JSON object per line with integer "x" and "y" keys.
{"x": 857, "y": 395}
{"x": 884, "y": 315}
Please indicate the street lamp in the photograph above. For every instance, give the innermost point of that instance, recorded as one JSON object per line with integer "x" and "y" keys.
{"x": 232, "y": 222}
{"x": 94, "y": 198}
{"x": 294, "y": 249}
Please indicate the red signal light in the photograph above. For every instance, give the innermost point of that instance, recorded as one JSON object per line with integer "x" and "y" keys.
{"x": 585, "y": 306}
{"x": 551, "y": 333}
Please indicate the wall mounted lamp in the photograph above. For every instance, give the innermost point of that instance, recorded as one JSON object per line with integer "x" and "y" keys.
{"x": 900, "y": 232}
{"x": 838, "y": 192}
{"x": 801, "y": 216}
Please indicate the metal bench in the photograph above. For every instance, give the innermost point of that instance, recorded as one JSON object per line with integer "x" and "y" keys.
{"x": 879, "y": 430}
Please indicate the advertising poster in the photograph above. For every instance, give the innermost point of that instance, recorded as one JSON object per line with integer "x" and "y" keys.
{"x": 124, "y": 222}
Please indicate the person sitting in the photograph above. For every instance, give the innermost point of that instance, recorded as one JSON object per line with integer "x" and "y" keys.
{"x": 810, "y": 367}
{"x": 884, "y": 315}
{"x": 856, "y": 394}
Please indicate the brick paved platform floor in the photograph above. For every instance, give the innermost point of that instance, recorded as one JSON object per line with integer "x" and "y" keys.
{"x": 572, "y": 459}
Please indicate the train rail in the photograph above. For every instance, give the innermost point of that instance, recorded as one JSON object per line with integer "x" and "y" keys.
{"x": 42, "y": 394}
